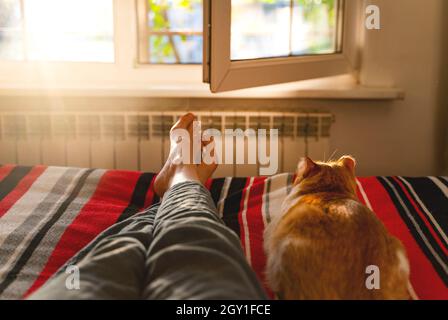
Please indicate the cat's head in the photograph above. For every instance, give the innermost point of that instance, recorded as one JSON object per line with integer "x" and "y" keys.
{"x": 333, "y": 176}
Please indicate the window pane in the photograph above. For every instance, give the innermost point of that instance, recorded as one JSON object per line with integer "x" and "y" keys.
{"x": 314, "y": 27}
{"x": 11, "y": 45}
{"x": 161, "y": 50}
{"x": 260, "y": 28}
{"x": 70, "y": 30}
{"x": 276, "y": 28}
{"x": 175, "y": 49}
{"x": 175, "y": 15}
{"x": 10, "y": 14}
{"x": 175, "y": 31}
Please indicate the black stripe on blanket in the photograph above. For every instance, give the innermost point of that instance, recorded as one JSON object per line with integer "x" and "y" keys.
{"x": 433, "y": 199}
{"x": 10, "y": 182}
{"x": 34, "y": 243}
{"x": 232, "y": 204}
{"x": 216, "y": 189}
{"x": 138, "y": 196}
{"x": 417, "y": 217}
{"x": 444, "y": 180}
{"x": 437, "y": 260}
{"x": 155, "y": 199}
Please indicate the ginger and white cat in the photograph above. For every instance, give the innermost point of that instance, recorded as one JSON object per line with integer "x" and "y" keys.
{"x": 324, "y": 239}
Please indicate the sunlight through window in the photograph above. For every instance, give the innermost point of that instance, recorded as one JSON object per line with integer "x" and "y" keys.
{"x": 57, "y": 30}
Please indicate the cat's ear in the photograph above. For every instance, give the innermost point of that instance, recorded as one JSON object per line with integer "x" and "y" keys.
{"x": 306, "y": 168}
{"x": 348, "y": 162}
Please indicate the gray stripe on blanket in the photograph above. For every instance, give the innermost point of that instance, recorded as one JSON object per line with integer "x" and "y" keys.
{"x": 40, "y": 256}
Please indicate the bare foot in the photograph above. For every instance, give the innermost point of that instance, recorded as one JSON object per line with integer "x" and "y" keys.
{"x": 172, "y": 172}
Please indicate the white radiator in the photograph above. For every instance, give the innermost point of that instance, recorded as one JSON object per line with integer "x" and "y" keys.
{"x": 139, "y": 140}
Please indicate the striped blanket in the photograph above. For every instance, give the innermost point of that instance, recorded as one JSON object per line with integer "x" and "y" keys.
{"x": 47, "y": 214}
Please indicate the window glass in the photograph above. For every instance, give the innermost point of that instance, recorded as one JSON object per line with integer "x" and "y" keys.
{"x": 57, "y": 30}
{"x": 277, "y": 28}
{"x": 174, "y": 31}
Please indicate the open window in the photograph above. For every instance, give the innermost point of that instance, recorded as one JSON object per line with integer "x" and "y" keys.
{"x": 250, "y": 43}
{"x": 155, "y": 47}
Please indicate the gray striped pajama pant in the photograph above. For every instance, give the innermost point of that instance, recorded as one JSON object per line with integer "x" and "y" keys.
{"x": 179, "y": 249}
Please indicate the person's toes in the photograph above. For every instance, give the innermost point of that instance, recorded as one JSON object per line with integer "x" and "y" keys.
{"x": 184, "y": 122}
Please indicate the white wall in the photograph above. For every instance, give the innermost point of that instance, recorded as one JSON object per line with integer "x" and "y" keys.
{"x": 400, "y": 137}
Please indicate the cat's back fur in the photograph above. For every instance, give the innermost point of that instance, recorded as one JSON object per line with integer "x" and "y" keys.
{"x": 321, "y": 244}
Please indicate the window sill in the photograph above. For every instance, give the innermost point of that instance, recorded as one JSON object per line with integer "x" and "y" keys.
{"x": 188, "y": 91}
{"x": 332, "y": 88}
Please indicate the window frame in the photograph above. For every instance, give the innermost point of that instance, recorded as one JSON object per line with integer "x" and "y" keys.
{"x": 223, "y": 74}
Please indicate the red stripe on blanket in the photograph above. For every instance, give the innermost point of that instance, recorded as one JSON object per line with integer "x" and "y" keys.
{"x": 423, "y": 216}
{"x": 208, "y": 184}
{"x": 256, "y": 230}
{"x": 5, "y": 170}
{"x": 22, "y": 187}
{"x": 256, "y": 225}
{"x": 240, "y": 216}
{"x": 111, "y": 197}
{"x": 422, "y": 272}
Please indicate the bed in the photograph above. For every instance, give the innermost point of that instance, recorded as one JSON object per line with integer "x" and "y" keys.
{"x": 47, "y": 214}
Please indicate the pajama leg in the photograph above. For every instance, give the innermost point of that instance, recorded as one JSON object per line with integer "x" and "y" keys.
{"x": 193, "y": 254}
{"x": 111, "y": 267}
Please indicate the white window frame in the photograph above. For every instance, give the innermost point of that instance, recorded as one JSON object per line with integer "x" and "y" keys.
{"x": 223, "y": 74}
